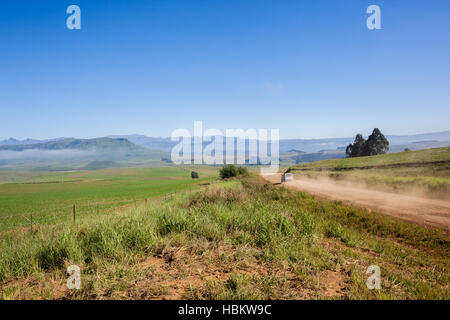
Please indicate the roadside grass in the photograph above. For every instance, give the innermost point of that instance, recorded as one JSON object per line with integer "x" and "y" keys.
{"x": 238, "y": 239}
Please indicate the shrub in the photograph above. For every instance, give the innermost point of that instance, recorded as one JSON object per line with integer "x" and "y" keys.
{"x": 231, "y": 170}
{"x": 194, "y": 175}
{"x": 242, "y": 170}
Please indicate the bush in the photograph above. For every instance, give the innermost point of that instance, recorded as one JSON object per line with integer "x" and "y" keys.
{"x": 242, "y": 170}
{"x": 194, "y": 175}
{"x": 231, "y": 170}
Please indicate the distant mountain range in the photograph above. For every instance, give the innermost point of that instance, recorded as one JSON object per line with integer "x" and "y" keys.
{"x": 162, "y": 144}
{"x": 140, "y": 150}
{"x": 74, "y": 154}
{"x": 12, "y": 141}
{"x": 317, "y": 145}
{"x": 72, "y": 143}
{"x": 306, "y": 145}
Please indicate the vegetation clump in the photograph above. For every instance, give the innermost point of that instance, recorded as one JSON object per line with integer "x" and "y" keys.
{"x": 194, "y": 175}
{"x": 374, "y": 145}
{"x": 230, "y": 171}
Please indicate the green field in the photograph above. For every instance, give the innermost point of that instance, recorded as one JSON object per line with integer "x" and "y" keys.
{"x": 240, "y": 239}
{"x": 234, "y": 239}
{"x": 424, "y": 172}
{"x": 53, "y": 195}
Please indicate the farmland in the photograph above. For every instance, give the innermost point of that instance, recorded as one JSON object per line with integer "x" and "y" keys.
{"x": 52, "y": 195}
{"x": 239, "y": 239}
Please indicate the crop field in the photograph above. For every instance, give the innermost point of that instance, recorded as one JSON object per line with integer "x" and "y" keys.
{"x": 53, "y": 195}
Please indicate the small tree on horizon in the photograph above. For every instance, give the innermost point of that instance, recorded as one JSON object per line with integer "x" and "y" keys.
{"x": 375, "y": 144}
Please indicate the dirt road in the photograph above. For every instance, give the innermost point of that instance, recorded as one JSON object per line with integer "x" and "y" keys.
{"x": 410, "y": 208}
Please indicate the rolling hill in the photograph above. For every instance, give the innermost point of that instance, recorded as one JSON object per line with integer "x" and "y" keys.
{"x": 71, "y": 154}
{"x": 419, "y": 157}
{"x": 79, "y": 144}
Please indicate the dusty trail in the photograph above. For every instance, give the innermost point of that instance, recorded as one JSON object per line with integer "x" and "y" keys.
{"x": 410, "y": 208}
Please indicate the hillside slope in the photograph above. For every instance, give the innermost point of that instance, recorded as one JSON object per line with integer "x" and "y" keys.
{"x": 72, "y": 143}
{"x": 72, "y": 154}
{"x": 409, "y": 158}
{"x": 424, "y": 172}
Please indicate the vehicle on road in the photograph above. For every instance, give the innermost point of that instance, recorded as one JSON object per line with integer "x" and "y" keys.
{"x": 287, "y": 177}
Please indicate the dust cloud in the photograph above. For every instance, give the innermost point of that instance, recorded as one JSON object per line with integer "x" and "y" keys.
{"x": 408, "y": 207}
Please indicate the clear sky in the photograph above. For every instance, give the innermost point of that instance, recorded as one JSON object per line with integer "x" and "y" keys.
{"x": 310, "y": 68}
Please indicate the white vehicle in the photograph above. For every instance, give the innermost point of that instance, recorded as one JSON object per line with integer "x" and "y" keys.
{"x": 287, "y": 177}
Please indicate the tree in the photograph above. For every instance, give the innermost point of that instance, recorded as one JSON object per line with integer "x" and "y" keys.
{"x": 356, "y": 149}
{"x": 376, "y": 144}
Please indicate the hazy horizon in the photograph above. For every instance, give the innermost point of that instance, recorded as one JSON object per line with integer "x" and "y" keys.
{"x": 165, "y": 137}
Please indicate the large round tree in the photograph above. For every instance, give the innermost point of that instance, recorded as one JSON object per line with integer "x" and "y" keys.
{"x": 376, "y": 144}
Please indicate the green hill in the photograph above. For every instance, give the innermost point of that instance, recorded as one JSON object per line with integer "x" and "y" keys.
{"x": 76, "y": 154}
{"x": 400, "y": 158}
{"x": 80, "y": 144}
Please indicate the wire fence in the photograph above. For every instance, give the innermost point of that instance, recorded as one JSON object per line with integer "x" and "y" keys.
{"x": 76, "y": 212}
{"x": 72, "y": 213}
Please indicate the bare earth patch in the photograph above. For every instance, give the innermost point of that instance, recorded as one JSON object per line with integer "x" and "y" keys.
{"x": 177, "y": 272}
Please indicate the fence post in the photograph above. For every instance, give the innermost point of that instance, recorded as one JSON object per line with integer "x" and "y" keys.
{"x": 74, "y": 213}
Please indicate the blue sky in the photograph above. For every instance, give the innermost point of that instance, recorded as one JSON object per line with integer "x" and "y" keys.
{"x": 310, "y": 68}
